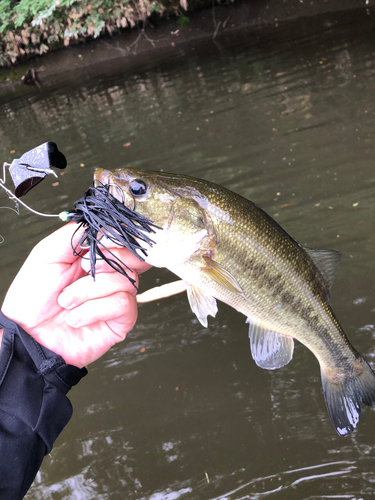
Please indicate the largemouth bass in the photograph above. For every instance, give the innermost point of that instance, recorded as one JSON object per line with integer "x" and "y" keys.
{"x": 226, "y": 247}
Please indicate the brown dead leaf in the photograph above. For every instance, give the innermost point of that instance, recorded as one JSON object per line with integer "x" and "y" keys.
{"x": 288, "y": 204}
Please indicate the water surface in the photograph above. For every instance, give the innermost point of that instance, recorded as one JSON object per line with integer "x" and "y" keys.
{"x": 285, "y": 117}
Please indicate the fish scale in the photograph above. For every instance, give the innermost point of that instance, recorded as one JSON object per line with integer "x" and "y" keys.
{"x": 226, "y": 247}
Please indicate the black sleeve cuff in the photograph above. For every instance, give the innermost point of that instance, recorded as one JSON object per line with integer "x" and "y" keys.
{"x": 34, "y": 408}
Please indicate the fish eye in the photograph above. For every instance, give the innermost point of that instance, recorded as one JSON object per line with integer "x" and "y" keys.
{"x": 138, "y": 187}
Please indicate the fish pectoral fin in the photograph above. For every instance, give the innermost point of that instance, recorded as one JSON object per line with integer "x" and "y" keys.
{"x": 326, "y": 261}
{"x": 270, "y": 350}
{"x": 202, "y": 304}
{"x": 218, "y": 273}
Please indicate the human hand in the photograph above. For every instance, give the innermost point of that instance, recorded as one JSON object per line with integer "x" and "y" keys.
{"x": 66, "y": 311}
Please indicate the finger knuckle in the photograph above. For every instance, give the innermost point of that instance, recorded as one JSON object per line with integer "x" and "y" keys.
{"x": 123, "y": 300}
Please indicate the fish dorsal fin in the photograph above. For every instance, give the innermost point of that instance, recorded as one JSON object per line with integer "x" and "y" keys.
{"x": 202, "y": 304}
{"x": 218, "y": 273}
{"x": 326, "y": 261}
{"x": 270, "y": 350}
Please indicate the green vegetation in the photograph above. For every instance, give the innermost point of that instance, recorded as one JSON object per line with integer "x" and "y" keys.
{"x": 183, "y": 21}
{"x": 29, "y": 27}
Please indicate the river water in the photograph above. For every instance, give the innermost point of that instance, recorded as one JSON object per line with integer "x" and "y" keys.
{"x": 285, "y": 116}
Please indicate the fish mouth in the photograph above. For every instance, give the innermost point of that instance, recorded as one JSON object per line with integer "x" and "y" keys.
{"x": 105, "y": 177}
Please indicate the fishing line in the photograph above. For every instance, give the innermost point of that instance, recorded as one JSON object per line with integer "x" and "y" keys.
{"x": 99, "y": 212}
{"x": 16, "y": 207}
{"x": 17, "y": 201}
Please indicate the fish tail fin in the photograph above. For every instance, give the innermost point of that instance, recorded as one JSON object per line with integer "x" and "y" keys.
{"x": 344, "y": 392}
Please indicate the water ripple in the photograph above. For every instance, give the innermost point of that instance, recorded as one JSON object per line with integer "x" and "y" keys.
{"x": 342, "y": 468}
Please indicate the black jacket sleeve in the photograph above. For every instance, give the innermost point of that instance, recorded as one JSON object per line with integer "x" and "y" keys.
{"x": 34, "y": 408}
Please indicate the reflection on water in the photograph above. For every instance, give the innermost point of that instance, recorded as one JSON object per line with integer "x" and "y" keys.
{"x": 292, "y": 481}
{"x": 285, "y": 117}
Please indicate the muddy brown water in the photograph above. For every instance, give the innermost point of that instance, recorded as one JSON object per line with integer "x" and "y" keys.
{"x": 286, "y": 117}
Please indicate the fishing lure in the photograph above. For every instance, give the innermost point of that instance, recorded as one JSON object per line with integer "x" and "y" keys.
{"x": 98, "y": 211}
{"x": 29, "y": 170}
{"x": 102, "y": 214}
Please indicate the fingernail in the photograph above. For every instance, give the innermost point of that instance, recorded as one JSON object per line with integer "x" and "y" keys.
{"x": 99, "y": 264}
{"x": 65, "y": 300}
{"x": 86, "y": 266}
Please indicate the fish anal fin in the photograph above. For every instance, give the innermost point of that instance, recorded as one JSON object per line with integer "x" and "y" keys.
{"x": 270, "y": 350}
{"x": 218, "y": 273}
{"x": 344, "y": 392}
{"x": 326, "y": 261}
{"x": 202, "y": 304}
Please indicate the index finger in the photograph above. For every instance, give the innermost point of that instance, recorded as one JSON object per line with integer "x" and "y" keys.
{"x": 57, "y": 247}
{"x": 123, "y": 254}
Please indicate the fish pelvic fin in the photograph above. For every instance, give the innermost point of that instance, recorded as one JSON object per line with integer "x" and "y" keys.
{"x": 326, "y": 261}
{"x": 344, "y": 392}
{"x": 202, "y": 304}
{"x": 270, "y": 350}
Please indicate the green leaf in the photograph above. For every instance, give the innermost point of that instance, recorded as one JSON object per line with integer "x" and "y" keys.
{"x": 183, "y": 21}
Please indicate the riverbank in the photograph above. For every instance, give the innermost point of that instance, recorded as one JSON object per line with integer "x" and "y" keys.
{"x": 166, "y": 37}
